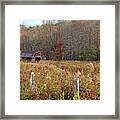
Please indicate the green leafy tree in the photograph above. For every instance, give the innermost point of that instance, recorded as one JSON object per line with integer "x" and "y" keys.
{"x": 90, "y": 53}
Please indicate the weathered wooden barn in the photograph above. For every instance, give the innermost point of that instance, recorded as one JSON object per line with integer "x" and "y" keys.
{"x": 31, "y": 56}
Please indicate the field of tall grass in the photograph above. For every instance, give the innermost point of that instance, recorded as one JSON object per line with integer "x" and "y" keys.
{"x": 54, "y": 80}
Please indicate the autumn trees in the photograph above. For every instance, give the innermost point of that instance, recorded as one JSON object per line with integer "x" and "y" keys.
{"x": 77, "y": 40}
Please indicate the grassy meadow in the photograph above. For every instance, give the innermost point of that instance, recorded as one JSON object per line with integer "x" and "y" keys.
{"x": 54, "y": 80}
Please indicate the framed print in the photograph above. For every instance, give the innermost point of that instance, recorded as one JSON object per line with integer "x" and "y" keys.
{"x": 60, "y": 59}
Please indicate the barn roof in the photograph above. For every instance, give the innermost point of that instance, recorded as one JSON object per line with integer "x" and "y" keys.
{"x": 30, "y": 54}
{"x": 26, "y": 54}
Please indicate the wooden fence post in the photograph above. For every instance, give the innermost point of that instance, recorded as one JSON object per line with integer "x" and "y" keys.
{"x": 32, "y": 82}
{"x": 76, "y": 86}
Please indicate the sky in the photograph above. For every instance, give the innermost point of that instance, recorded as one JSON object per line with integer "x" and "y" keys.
{"x": 31, "y": 22}
{"x": 34, "y": 22}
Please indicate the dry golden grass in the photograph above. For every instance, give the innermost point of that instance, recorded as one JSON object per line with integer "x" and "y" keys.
{"x": 54, "y": 80}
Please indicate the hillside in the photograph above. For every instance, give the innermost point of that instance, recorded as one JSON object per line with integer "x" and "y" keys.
{"x": 80, "y": 39}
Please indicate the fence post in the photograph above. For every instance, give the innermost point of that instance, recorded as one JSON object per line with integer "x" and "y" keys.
{"x": 76, "y": 86}
{"x": 32, "y": 82}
